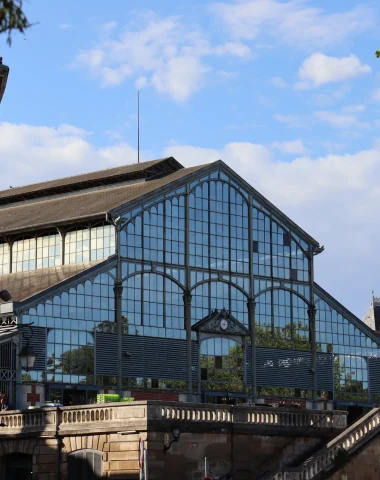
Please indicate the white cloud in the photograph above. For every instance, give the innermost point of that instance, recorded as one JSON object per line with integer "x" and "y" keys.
{"x": 290, "y": 120}
{"x": 165, "y": 52}
{"x": 142, "y": 82}
{"x": 38, "y": 153}
{"x": 340, "y": 120}
{"x": 334, "y": 197}
{"x": 354, "y": 108}
{"x": 278, "y": 82}
{"x": 66, "y": 26}
{"x": 293, "y": 147}
{"x": 320, "y": 69}
{"x": 376, "y": 95}
{"x": 227, "y": 75}
{"x": 292, "y": 22}
{"x": 179, "y": 77}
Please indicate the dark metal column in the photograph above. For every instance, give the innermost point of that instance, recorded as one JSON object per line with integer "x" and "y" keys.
{"x": 118, "y": 290}
{"x": 312, "y": 315}
{"x": 251, "y": 304}
{"x": 187, "y": 311}
{"x": 187, "y": 299}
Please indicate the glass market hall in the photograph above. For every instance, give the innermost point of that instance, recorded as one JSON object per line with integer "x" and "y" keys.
{"x": 157, "y": 281}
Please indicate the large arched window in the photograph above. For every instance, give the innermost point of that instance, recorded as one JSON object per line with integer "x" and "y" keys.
{"x": 275, "y": 252}
{"x": 85, "y": 465}
{"x": 282, "y": 320}
{"x": 153, "y": 305}
{"x": 72, "y": 318}
{"x": 218, "y": 295}
{"x": 218, "y": 222}
{"x": 158, "y": 234}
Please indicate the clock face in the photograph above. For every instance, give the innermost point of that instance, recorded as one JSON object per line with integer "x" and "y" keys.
{"x": 224, "y": 324}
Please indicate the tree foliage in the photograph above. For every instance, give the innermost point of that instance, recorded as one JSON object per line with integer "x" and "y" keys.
{"x": 12, "y": 18}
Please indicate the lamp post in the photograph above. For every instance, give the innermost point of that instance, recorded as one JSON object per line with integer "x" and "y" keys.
{"x": 5, "y": 296}
{"x": 27, "y": 353}
{"x": 4, "y": 72}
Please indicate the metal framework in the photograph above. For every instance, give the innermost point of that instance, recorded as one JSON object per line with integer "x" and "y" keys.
{"x": 316, "y": 364}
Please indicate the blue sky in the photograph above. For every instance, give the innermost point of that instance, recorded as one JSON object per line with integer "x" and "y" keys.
{"x": 286, "y": 92}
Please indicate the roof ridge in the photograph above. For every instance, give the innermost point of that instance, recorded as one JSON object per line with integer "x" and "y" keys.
{"x": 154, "y": 161}
{"x": 80, "y": 193}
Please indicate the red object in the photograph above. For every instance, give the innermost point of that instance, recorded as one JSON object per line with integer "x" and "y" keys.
{"x": 208, "y": 478}
{"x": 169, "y": 397}
{"x": 33, "y": 396}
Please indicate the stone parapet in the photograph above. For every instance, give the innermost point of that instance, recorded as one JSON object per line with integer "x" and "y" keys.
{"x": 162, "y": 416}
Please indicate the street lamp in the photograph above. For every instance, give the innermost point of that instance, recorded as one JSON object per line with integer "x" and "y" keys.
{"x": 5, "y": 296}
{"x": 4, "y": 72}
{"x": 27, "y": 354}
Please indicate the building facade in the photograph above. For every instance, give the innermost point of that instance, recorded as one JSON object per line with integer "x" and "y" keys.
{"x": 162, "y": 282}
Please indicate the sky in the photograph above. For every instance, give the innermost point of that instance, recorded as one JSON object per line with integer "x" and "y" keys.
{"x": 287, "y": 93}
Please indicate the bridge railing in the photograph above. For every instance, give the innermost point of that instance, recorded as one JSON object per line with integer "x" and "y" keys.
{"x": 21, "y": 421}
{"x": 158, "y": 414}
{"x": 342, "y": 445}
{"x": 254, "y": 415}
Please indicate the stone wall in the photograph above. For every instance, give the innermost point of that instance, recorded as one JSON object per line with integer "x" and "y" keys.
{"x": 248, "y": 439}
{"x": 245, "y": 454}
{"x": 365, "y": 465}
{"x": 120, "y": 454}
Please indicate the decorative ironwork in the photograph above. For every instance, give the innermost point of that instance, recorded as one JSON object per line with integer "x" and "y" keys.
{"x": 221, "y": 322}
{"x": 8, "y": 320}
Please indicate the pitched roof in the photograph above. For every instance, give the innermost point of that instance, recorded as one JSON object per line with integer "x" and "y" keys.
{"x": 87, "y": 180}
{"x": 23, "y": 285}
{"x": 49, "y": 212}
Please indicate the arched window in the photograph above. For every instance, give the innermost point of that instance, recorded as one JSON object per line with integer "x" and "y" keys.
{"x": 85, "y": 465}
{"x": 282, "y": 320}
{"x": 218, "y": 217}
{"x": 275, "y": 252}
{"x": 153, "y": 305}
{"x": 211, "y": 295}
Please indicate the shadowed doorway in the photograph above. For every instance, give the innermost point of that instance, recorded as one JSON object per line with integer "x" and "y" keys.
{"x": 17, "y": 466}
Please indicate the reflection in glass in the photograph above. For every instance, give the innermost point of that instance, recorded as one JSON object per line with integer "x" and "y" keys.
{"x": 222, "y": 365}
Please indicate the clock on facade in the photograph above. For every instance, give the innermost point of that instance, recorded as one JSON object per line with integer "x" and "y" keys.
{"x": 224, "y": 324}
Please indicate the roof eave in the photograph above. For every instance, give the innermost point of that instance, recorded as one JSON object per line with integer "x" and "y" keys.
{"x": 58, "y": 288}
{"x": 349, "y": 315}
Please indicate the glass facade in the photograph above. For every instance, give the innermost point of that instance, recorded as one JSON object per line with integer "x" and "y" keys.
{"x": 235, "y": 251}
{"x": 4, "y": 258}
{"x": 44, "y": 251}
{"x": 71, "y": 320}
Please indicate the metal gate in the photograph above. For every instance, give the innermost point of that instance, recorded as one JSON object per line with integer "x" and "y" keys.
{"x": 8, "y": 370}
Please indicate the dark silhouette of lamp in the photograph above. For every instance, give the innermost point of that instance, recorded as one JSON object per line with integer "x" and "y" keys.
{"x": 5, "y": 296}
{"x": 4, "y": 72}
{"x": 27, "y": 354}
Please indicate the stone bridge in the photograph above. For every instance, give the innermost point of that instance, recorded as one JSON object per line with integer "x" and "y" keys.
{"x": 108, "y": 440}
